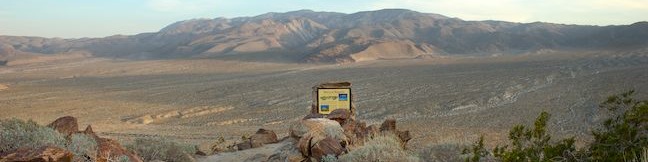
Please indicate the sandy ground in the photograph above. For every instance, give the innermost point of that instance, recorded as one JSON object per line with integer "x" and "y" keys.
{"x": 442, "y": 100}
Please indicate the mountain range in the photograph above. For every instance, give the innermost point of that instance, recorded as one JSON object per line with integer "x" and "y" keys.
{"x": 329, "y": 37}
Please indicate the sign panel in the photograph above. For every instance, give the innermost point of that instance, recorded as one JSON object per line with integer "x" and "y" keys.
{"x": 329, "y": 99}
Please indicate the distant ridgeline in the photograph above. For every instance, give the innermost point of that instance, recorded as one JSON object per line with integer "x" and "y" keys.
{"x": 308, "y": 36}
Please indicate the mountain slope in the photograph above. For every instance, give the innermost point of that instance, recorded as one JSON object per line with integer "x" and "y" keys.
{"x": 308, "y": 36}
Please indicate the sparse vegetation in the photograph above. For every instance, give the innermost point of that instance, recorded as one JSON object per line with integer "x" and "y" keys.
{"x": 162, "y": 149}
{"x": 381, "y": 148}
{"x": 622, "y": 138}
{"x": 16, "y": 133}
{"x": 625, "y": 134}
{"x": 83, "y": 146}
{"x": 329, "y": 158}
{"x": 442, "y": 152}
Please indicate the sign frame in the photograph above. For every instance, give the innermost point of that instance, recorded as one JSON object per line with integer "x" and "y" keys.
{"x": 349, "y": 98}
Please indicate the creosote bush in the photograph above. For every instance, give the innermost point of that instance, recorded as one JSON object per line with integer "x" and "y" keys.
{"x": 623, "y": 137}
{"x": 16, "y": 133}
{"x": 381, "y": 148}
{"x": 162, "y": 149}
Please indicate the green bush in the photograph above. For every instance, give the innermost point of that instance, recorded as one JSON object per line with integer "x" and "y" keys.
{"x": 623, "y": 137}
{"x": 83, "y": 146}
{"x": 534, "y": 144}
{"x": 476, "y": 151}
{"x": 162, "y": 149}
{"x": 381, "y": 148}
{"x": 15, "y": 133}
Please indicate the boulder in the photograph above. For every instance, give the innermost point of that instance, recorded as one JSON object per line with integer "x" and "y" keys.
{"x": 327, "y": 146}
{"x": 388, "y": 125}
{"x": 244, "y": 145}
{"x": 339, "y": 115}
{"x": 66, "y": 125}
{"x": 324, "y": 136}
{"x": 298, "y": 129}
{"x": 108, "y": 149}
{"x": 404, "y": 137}
{"x": 88, "y": 131}
{"x": 41, "y": 154}
{"x": 263, "y": 136}
{"x": 372, "y": 131}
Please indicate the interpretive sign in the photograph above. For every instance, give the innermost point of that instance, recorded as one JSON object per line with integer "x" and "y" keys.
{"x": 329, "y": 99}
{"x": 331, "y": 96}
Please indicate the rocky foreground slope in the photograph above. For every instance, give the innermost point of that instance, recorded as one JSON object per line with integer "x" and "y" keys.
{"x": 308, "y": 36}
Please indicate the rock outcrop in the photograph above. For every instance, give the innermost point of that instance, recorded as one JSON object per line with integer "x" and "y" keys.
{"x": 41, "y": 154}
{"x": 66, "y": 125}
{"x": 337, "y": 132}
{"x": 260, "y": 138}
{"x": 108, "y": 149}
{"x": 263, "y": 136}
{"x": 324, "y": 137}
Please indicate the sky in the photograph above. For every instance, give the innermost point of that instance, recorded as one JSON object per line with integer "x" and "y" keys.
{"x": 100, "y": 18}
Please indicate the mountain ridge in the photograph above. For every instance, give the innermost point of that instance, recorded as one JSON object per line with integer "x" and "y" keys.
{"x": 330, "y": 37}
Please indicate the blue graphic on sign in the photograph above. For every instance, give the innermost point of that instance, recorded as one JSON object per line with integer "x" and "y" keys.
{"x": 343, "y": 97}
{"x": 324, "y": 108}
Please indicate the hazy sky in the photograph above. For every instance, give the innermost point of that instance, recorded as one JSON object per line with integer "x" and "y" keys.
{"x": 97, "y": 18}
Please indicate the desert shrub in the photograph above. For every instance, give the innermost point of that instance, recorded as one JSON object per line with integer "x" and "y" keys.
{"x": 83, "y": 146}
{"x": 621, "y": 138}
{"x": 625, "y": 134}
{"x": 122, "y": 158}
{"x": 15, "y": 133}
{"x": 441, "y": 152}
{"x": 329, "y": 158}
{"x": 162, "y": 149}
{"x": 381, "y": 148}
{"x": 533, "y": 144}
{"x": 476, "y": 151}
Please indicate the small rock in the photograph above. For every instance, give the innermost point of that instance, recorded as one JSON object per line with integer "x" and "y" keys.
{"x": 66, "y": 125}
{"x": 404, "y": 137}
{"x": 244, "y": 145}
{"x": 339, "y": 115}
{"x": 388, "y": 125}
{"x": 41, "y": 154}
{"x": 372, "y": 131}
{"x": 263, "y": 136}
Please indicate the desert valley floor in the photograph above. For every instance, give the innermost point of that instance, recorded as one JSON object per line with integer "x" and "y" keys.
{"x": 445, "y": 100}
